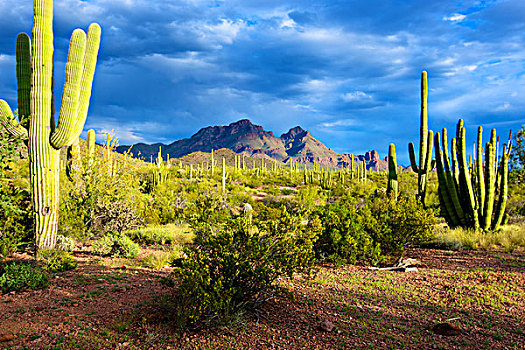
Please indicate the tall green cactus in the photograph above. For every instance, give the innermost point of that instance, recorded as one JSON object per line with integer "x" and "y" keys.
{"x": 425, "y": 145}
{"x": 468, "y": 198}
{"x": 392, "y": 185}
{"x": 36, "y": 110}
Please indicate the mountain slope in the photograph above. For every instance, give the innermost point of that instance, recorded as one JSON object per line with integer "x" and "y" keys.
{"x": 253, "y": 141}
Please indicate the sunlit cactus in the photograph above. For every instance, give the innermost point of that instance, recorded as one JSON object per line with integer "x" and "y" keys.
{"x": 392, "y": 185}
{"x": 425, "y": 145}
{"x": 36, "y": 109}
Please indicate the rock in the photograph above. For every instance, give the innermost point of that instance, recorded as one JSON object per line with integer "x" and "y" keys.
{"x": 327, "y": 326}
{"x": 7, "y": 337}
{"x": 446, "y": 329}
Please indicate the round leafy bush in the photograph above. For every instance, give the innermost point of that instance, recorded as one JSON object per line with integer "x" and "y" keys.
{"x": 66, "y": 244}
{"x": 233, "y": 264}
{"x": 118, "y": 245}
{"x": 55, "y": 260}
{"x": 123, "y": 246}
{"x": 103, "y": 246}
{"x": 16, "y": 276}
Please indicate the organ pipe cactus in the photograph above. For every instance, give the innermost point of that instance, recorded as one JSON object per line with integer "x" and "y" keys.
{"x": 392, "y": 186}
{"x": 472, "y": 199}
{"x": 425, "y": 145}
{"x": 36, "y": 109}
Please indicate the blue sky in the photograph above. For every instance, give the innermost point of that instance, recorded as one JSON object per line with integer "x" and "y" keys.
{"x": 346, "y": 70}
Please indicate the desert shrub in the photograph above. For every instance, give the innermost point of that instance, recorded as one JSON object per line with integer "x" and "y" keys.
{"x": 16, "y": 276}
{"x": 102, "y": 195}
{"x": 103, "y": 246}
{"x": 66, "y": 244}
{"x": 233, "y": 265}
{"x": 117, "y": 245}
{"x": 372, "y": 232}
{"x": 124, "y": 247}
{"x": 396, "y": 224}
{"x": 15, "y": 198}
{"x": 55, "y": 260}
{"x": 164, "y": 234}
{"x": 344, "y": 238}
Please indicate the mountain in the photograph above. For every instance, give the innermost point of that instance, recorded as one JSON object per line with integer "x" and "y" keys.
{"x": 251, "y": 140}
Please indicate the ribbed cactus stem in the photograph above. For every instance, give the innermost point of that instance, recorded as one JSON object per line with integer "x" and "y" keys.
{"x": 223, "y": 175}
{"x": 503, "y": 172}
{"x": 480, "y": 184}
{"x": 465, "y": 179}
{"x": 90, "y": 141}
{"x": 489, "y": 184}
{"x": 425, "y": 144}
{"x": 392, "y": 186}
{"x": 23, "y": 78}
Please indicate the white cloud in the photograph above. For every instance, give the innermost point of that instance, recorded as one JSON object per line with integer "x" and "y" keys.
{"x": 456, "y": 17}
{"x": 356, "y": 96}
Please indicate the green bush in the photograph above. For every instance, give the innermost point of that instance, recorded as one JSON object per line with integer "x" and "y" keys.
{"x": 103, "y": 246}
{"x": 397, "y": 224}
{"x": 117, "y": 245}
{"x": 374, "y": 232}
{"x": 55, "y": 260}
{"x": 344, "y": 238}
{"x": 232, "y": 264}
{"x": 66, "y": 244}
{"x": 16, "y": 276}
{"x": 166, "y": 234}
{"x": 124, "y": 247}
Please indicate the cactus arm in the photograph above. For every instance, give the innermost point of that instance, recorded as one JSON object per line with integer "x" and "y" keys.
{"x": 23, "y": 77}
{"x": 8, "y": 120}
{"x": 424, "y": 121}
{"x": 88, "y": 74}
{"x": 480, "y": 188}
{"x": 428, "y": 158}
{"x": 412, "y": 155}
{"x": 63, "y": 134}
{"x": 503, "y": 189}
{"x": 90, "y": 140}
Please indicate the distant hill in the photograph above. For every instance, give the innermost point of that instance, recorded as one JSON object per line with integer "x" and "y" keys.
{"x": 251, "y": 140}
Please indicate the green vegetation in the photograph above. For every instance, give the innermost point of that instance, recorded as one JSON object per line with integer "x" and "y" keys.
{"x": 55, "y": 260}
{"x": 34, "y": 68}
{"x": 117, "y": 245}
{"x": 16, "y": 276}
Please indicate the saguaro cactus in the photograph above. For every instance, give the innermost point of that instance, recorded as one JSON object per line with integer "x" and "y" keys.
{"x": 392, "y": 186}
{"x": 36, "y": 110}
{"x": 425, "y": 145}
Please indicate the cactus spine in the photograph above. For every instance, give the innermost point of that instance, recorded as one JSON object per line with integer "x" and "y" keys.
{"x": 392, "y": 186}
{"x": 425, "y": 145}
{"x": 35, "y": 99}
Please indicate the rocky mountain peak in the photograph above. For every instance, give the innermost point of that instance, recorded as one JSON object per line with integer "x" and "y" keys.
{"x": 294, "y": 133}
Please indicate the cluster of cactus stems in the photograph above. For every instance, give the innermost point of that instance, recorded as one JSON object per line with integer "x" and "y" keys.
{"x": 34, "y": 72}
{"x": 426, "y": 164}
{"x": 473, "y": 197}
{"x": 392, "y": 188}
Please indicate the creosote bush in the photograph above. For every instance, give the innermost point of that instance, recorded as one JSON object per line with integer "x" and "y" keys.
{"x": 55, "y": 260}
{"x": 373, "y": 232}
{"x": 17, "y": 276}
{"x": 117, "y": 245}
{"x": 232, "y": 265}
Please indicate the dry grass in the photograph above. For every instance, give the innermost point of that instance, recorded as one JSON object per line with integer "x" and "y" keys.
{"x": 510, "y": 238}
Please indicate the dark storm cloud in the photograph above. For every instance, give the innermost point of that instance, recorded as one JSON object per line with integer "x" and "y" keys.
{"x": 346, "y": 70}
